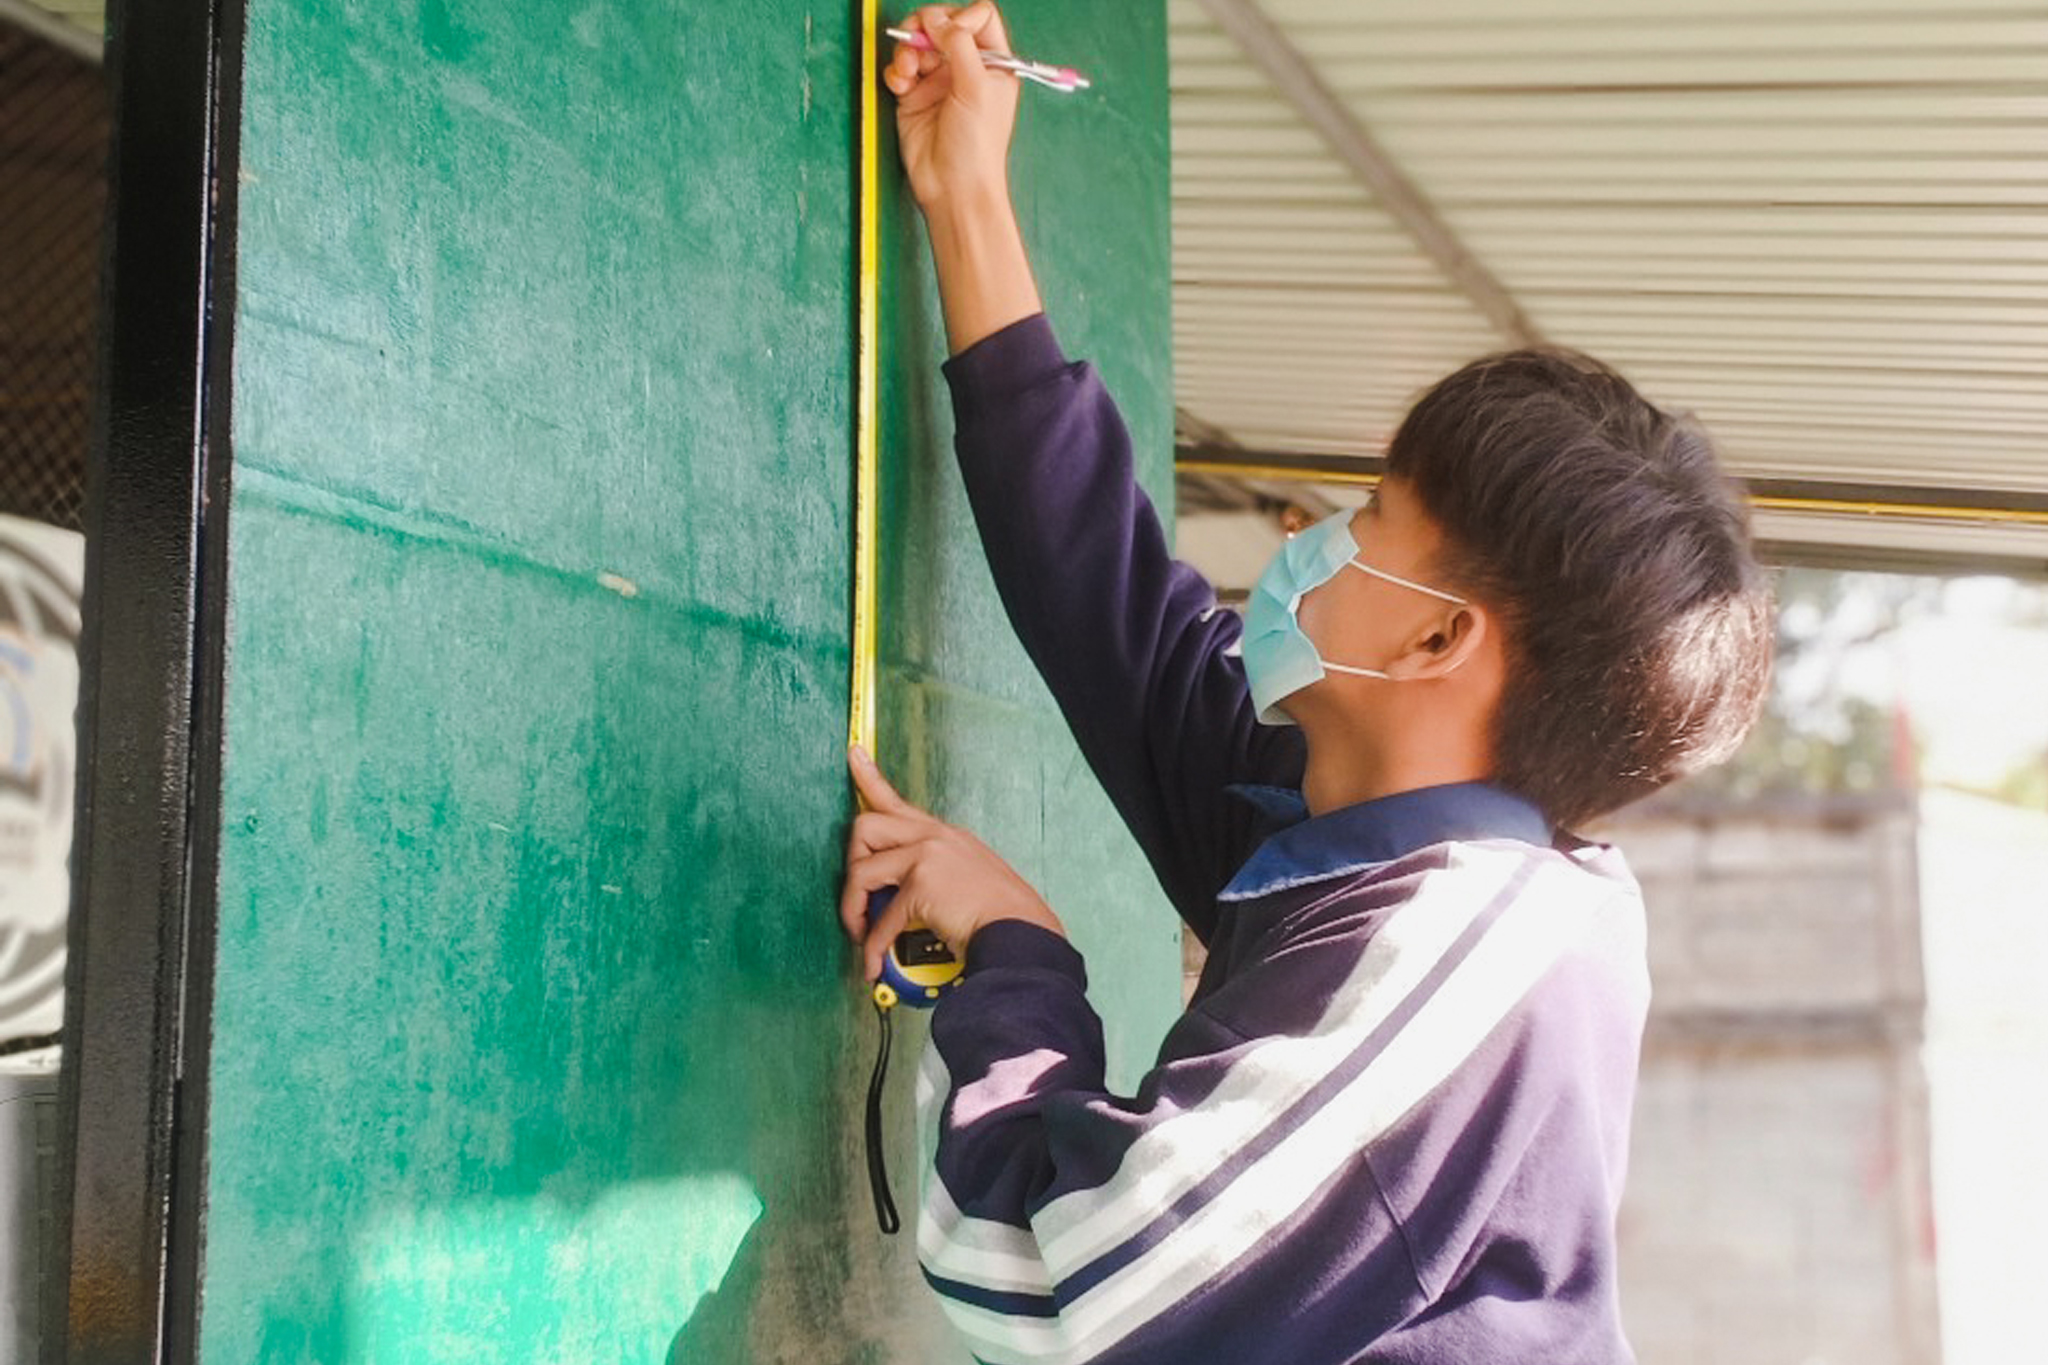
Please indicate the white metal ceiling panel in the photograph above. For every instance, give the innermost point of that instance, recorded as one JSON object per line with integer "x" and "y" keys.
{"x": 1821, "y": 225}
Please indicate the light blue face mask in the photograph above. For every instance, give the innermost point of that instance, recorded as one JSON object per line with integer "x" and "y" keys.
{"x": 1279, "y": 658}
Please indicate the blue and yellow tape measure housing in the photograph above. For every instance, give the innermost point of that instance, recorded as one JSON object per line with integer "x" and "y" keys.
{"x": 919, "y": 969}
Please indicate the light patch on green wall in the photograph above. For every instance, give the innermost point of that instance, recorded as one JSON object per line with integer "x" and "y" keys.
{"x": 411, "y": 1268}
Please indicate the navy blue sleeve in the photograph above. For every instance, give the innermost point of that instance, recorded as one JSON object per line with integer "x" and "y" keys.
{"x": 1130, "y": 641}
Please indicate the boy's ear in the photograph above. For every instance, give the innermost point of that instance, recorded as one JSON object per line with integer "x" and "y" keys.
{"x": 1445, "y": 644}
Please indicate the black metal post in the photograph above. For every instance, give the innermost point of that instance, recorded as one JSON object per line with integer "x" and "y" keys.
{"x": 138, "y": 989}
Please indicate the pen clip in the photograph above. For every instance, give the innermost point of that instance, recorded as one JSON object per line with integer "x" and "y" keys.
{"x": 1064, "y": 79}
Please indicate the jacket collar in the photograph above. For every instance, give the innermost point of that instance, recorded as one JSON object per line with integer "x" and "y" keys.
{"x": 1303, "y": 848}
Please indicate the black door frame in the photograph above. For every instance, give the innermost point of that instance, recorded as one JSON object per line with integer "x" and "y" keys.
{"x": 138, "y": 987}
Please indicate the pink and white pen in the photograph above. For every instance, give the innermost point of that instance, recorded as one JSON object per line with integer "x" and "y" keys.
{"x": 1064, "y": 79}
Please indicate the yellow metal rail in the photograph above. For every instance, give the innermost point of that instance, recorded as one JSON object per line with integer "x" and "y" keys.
{"x": 1901, "y": 511}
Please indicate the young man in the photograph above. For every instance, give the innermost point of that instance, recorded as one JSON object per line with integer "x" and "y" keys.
{"x": 1392, "y": 1124}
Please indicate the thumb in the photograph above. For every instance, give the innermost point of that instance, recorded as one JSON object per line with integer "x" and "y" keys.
{"x": 963, "y": 51}
{"x": 985, "y": 22}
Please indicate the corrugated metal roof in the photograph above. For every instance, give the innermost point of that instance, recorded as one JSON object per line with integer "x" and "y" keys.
{"x": 1822, "y": 225}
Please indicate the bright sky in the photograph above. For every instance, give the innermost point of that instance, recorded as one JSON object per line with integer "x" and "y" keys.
{"x": 1974, "y": 683}
{"x": 1970, "y": 673}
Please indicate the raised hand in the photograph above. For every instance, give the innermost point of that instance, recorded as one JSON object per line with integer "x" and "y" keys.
{"x": 954, "y": 117}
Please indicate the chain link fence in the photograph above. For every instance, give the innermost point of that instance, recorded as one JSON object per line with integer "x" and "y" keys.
{"x": 53, "y": 155}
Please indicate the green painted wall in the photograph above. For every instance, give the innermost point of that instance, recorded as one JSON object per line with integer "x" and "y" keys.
{"x": 535, "y": 1039}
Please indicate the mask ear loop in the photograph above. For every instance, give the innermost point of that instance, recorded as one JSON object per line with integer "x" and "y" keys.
{"x": 1396, "y": 579}
{"x": 1409, "y": 583}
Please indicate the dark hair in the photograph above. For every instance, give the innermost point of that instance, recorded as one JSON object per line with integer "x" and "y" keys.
{"x": 1602, "y": 534}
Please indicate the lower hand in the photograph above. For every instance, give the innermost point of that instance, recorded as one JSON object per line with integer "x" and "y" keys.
{"x": 946, "y": 880}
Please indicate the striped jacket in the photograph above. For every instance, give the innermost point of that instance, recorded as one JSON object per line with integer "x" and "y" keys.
{"x": 1391, "y": 1125}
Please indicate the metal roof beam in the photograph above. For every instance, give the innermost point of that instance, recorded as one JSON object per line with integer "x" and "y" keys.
{"x": 1359, "y": 150}
{"x": 40, "y": 23}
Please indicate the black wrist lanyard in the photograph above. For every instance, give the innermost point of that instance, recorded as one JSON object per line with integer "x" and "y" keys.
{"x": 878, "y": 1173}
